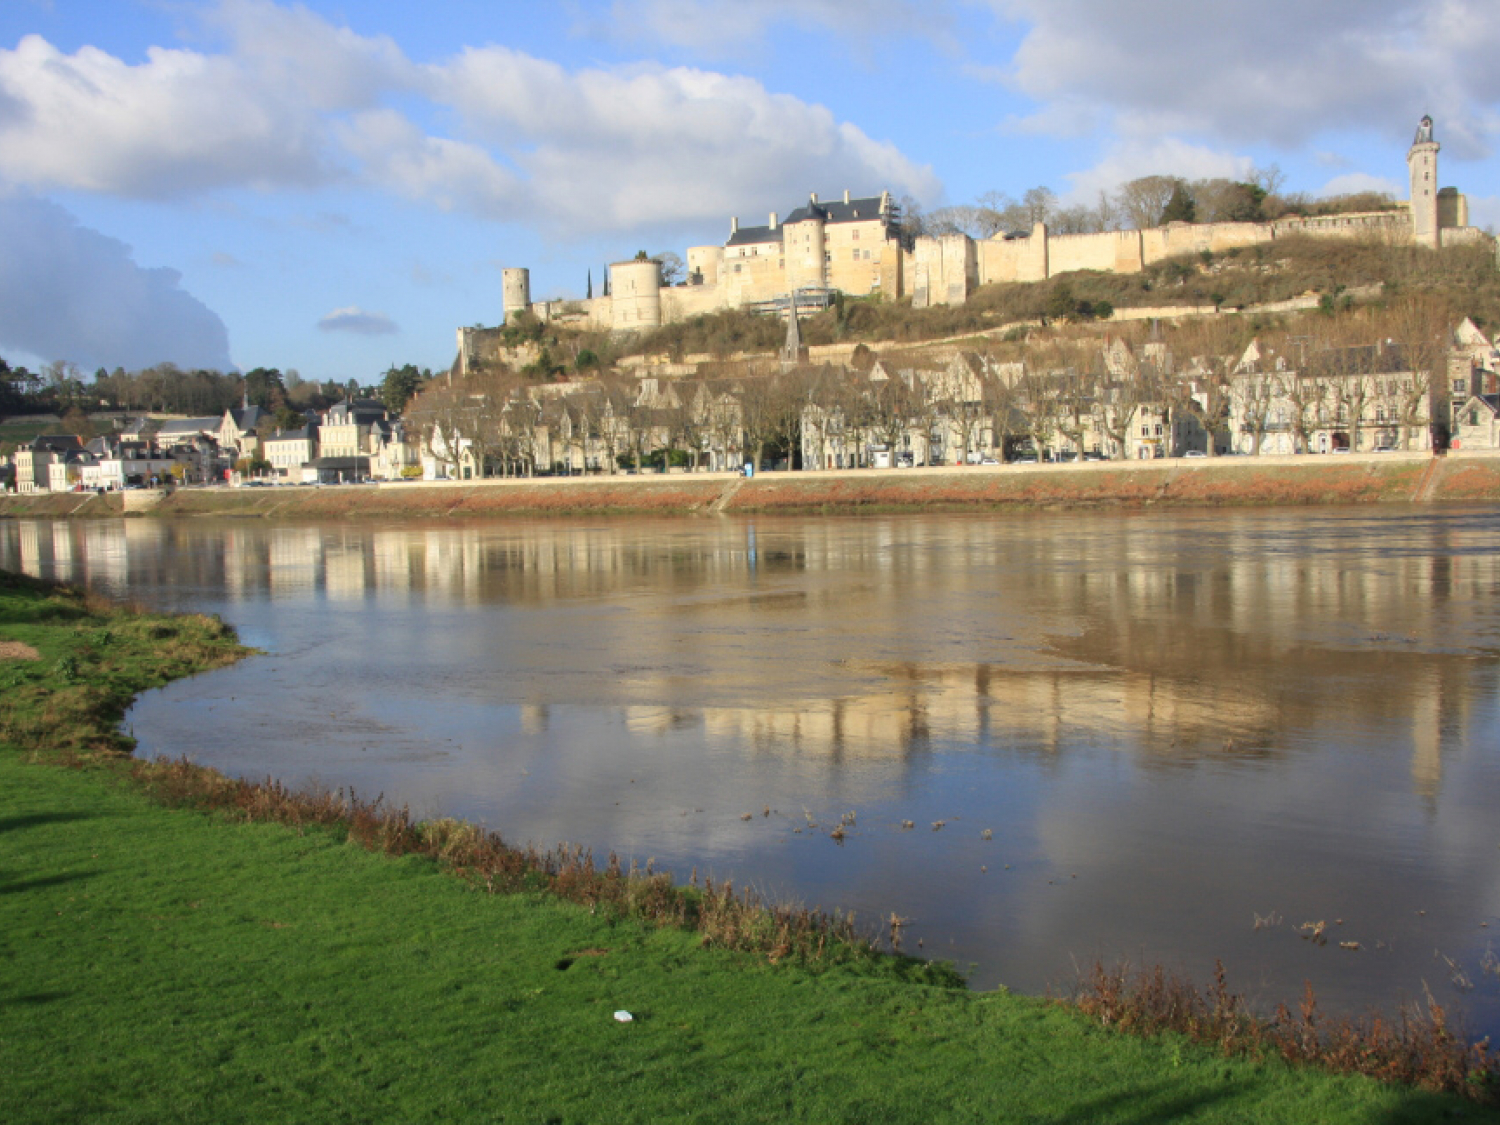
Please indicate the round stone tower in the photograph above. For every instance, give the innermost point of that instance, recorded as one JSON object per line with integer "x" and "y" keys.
{"x": 515, "y": 289}
{"x": 635, "y": 287}
{"x": 805, "y": 246}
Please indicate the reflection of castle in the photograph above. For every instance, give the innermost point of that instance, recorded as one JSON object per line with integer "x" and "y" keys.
{"x": 851, "y": 245}
{"x": 815, "y": 643}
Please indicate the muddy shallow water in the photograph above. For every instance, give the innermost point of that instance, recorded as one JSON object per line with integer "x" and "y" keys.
{"x": 1172, "y": 736}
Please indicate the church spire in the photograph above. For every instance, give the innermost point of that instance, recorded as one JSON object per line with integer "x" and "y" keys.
{"x": 791, "y": 351}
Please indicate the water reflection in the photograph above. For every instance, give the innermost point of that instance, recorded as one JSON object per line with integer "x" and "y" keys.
{"x": 1169, "y": 722}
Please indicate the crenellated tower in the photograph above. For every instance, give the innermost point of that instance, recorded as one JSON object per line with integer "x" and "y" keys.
{"x": 1421, "y": 161}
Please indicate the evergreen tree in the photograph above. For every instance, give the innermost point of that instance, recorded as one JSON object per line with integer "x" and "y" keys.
{"x": 1180, "y": 208}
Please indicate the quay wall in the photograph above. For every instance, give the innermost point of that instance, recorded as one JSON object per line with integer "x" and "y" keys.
{"x": 1197, "y": 482}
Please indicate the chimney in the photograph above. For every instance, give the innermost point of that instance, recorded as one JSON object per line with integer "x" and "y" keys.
{"x": 773, "y": 220}
{"x": 734, "y": 224}
{"x": 846, "y": 197}
{"x": 813, "y": 198}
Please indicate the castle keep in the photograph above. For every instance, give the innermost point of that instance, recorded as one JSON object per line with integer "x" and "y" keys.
{"x": 851, "y": 245}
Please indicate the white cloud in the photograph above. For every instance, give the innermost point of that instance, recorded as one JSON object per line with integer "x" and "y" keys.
{"x": 1167, "y": 156}
{"x": 178, "y": 124}
{"x": 1352, "y": 182}
{"x": 295, "y": 101}
{"x": 355, "y": 319}
{"x": 67, "y": 292}
{"x": 1277, "y": 72}
{"x": 606, "y": 149}
{"x": 716, "y": 27}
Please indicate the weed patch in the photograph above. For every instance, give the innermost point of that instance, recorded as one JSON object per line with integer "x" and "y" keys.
{"x": 1419, "y": 1047}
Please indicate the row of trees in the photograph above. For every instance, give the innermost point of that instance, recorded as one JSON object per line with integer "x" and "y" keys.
{"x": 1142, "y": 203}
{"x": 1066, "y": 388}
{"x": 166, "y": 388}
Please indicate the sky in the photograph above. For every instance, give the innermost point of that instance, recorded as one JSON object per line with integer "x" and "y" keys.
{"x": 334, "y": 188}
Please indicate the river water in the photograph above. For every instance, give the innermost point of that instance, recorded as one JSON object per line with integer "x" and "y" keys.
{"x": 1165, "y": 737}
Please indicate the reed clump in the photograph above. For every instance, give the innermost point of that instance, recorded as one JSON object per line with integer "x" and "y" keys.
{"x": 1418, "y": 1047}
{"x": 726, "y": 917}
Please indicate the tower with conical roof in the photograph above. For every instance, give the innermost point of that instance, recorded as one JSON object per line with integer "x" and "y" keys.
{"x": 1421, "y": 161}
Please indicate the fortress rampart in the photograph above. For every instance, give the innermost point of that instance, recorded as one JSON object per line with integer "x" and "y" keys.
{"x": 853, "y": 246}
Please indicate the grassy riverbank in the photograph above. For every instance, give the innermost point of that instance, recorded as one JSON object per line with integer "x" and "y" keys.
{"x": 166, "y": 963}
{"x": 1205, "y": 482}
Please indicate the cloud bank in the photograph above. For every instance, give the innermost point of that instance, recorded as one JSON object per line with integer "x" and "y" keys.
{"x": 1277, "y": 72}
{"x": 295, "y": 102}
{"x": 68, "y": 292}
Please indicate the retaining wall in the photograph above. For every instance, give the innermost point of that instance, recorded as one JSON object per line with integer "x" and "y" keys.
{"x": 1327, "y": 479}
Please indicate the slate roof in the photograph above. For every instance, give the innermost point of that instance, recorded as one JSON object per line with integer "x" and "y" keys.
{"x": 837, "y": 211}
{"x": 360, "y": 412}
{"x": 179, "y": 427}
{"x": 248, "y": 417}
{"x": 306, "y": 433}
{"x": 747, "y": 235}
{"x": 56, "y": 443}
{"x": 834, "y": 211}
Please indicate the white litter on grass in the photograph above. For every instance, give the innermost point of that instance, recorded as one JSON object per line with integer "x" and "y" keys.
{"x": 623, "y": 1016}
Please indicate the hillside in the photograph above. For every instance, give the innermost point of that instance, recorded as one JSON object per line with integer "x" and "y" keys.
{"x": 1463, "y": 278}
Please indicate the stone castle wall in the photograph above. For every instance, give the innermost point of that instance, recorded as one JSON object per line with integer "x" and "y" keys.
{"x": 858, "y": 258}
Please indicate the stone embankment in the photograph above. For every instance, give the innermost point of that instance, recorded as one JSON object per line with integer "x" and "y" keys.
{"x": 1191, "y": 482}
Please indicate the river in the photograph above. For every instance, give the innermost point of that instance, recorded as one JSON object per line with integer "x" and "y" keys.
{"x": 1171, "y": 737}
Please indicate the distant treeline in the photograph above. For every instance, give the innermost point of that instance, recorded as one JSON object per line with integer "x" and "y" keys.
{"x": 165, "y": 388}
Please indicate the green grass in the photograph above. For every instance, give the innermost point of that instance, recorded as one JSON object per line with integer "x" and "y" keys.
{"x": 162, "y": 964}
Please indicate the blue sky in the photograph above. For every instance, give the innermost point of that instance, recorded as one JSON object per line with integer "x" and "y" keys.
{"x": 333, "y": 188}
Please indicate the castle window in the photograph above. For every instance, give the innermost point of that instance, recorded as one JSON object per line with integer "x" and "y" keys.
{"x": 856, "y": 253}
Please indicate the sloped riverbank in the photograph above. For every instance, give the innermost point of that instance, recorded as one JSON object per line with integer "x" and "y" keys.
{"x": 1199, "y": 482}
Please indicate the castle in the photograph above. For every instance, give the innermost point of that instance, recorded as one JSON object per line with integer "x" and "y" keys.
{"x": 853, "y": 246}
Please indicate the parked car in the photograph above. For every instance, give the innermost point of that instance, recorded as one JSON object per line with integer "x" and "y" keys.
{"x": 1095, "y": 457}
{"x": 1195, "y": 453}
{"x": 1026, "y": 459}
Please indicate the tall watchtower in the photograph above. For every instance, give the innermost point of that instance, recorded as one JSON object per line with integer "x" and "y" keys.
{"x": 1421, "y": 161}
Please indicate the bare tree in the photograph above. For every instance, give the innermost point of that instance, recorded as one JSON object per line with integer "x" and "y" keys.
{"x": 669, "y": 265}
{"x": 1039, "y": 203}
{"x": 1420, "y": 326}
{"x": 1143, "y": 200}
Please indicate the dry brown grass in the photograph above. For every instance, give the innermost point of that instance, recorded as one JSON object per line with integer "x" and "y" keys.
{"x": 1419, "y": 1047}
{"x": 724, "y": 916}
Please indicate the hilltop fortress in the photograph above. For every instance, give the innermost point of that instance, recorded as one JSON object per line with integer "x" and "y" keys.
{"x": 852, "y": 245}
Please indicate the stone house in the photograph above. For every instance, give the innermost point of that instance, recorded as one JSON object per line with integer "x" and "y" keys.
{"x": 239, "y": 431}
{"x": 34, "y": 461}
{"x": 1356, "y": 399}
{"x": 290, "y": 452}
{"x": 1476, "y": 424}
